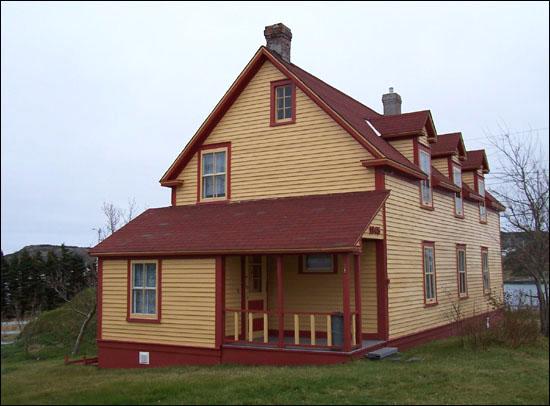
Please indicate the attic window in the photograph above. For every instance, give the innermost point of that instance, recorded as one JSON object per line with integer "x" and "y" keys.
{"x": 425, "y": 163}
{"x": 214, "y": 172}
{"x": 482, "y": 208}
{"x": 283, "y": 103}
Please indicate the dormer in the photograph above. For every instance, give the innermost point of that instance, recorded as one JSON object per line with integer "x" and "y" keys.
{"x": 474, "y": 168}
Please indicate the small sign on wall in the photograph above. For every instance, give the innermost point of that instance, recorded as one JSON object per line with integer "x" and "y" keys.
{"x": 374, "y": 230}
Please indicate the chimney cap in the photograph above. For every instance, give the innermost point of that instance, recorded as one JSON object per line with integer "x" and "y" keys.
{"x": 391, "y": 89}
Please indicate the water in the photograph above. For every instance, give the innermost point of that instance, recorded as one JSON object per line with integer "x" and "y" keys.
{"x": 526, "y": 291}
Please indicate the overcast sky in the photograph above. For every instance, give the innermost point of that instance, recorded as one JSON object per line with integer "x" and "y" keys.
{"x": 98, "y": 99}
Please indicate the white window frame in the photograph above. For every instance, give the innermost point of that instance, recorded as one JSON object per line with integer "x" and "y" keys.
{"x": 286, "y": 107}
{"x": 426, "y": 185}
{"x": 461, "y": 271}
{"x": 485, "y": 273}
{"x": 215, "y": 175}
{"x": 459, "y": 200}
{"x": 144, "y": 288}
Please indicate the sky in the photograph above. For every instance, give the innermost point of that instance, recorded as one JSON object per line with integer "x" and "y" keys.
{"x": 98, "y": 99}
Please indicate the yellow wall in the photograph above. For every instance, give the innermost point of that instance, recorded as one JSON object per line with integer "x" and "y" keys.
{"x": 313, "y": 156}
{"x": 407, "y": 226}
{"x": 188, "y": 304}
{"x": 405, "y": 146}
{"x": 442, "y": 165}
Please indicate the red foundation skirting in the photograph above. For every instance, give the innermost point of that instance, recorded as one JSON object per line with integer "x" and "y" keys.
{"x": 117, "y": 354}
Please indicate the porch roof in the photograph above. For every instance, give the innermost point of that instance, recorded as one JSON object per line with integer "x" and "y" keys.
{"x": 317, "y": 223}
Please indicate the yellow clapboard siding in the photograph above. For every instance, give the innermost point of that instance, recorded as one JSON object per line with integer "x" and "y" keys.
{"x": 442, "y": 165}
{"x": 408, "y": 225}
{"x": 188, "y": 304}
{"x": 313, "y": 156}
{"x": 405, "y": 146}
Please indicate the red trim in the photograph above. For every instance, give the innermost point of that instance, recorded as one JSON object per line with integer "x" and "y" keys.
{"x": 280, "y": 301}
{"x": 129, "y": 317}
{"x": 382, "y": 288}
{"x": 243, "y": 294}
{"x": 226, "y": 145}
{"x": 416, "y": 159}
{"x": 272, "y": 107}
{"x": 462, "y": 247}
{"x": 173, "y": 195}
{"x": 346, "y": 303}
{"x": 99, "y": 297}
{"x": 220, "y": 299}
{"x": 435, "y": 302}
{"x": 384, "y": 162}
{"x": 379, "y": 179}
{"x": 301, "y": 260}
{"x": 358, "y": 307}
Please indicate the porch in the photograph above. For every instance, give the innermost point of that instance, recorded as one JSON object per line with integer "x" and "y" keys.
{"x": 277, "y": 302}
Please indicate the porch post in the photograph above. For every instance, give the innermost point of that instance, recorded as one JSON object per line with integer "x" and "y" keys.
{"x": 358, "y": 311}
{"x": 346, "y": 304}
{"x": 280, "y": 302}
{"x": 243, "y": 315}
{"x": 220, "y": 300}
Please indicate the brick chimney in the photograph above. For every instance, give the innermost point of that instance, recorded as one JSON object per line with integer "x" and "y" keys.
{"x": 392, "y": 103}
{"x": 278, "y": 37}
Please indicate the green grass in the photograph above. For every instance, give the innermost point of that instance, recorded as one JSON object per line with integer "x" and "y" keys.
{"x": 445, "y": 374}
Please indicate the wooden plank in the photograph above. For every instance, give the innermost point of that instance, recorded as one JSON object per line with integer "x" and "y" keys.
{"x": 312, "y": 327}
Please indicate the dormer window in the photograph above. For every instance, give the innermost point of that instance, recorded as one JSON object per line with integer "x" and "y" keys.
{"x": 457, "y": 180}
{"x": 425, "y": 162}
{"x": 283, "y": 102}
{"x": 481, "y": 192}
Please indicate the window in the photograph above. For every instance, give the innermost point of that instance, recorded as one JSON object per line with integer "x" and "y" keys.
{"x": 214, "y": 172}
{"x": 283, "y": 102}
{"x": 144, "y": 288}
{"x": 319, "y": 263}
{"x": 482, "y": 208}
{"x": 457, "y": 179}
{"x": 256, "y": 274}
{"x": 485, "y": 270}
{"x": 461, "y": 271}
{"x": 430, "y": 286}
{"x": 426, "y": 185}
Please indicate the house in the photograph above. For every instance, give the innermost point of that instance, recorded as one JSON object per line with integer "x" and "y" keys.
{"x": 304, "y": 228}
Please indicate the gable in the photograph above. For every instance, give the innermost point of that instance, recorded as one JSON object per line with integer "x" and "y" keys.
{"x": 315, "y": 155}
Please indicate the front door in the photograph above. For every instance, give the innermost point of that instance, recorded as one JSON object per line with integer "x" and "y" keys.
{"x": 256, "y": 292}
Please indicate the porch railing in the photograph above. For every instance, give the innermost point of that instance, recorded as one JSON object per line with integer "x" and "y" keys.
{"x": 240, "y": 333}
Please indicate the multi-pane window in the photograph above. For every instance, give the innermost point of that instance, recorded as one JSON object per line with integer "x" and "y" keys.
{"x": 144, "y": 288}
{"x": 430, "y": 294}
{"x": 461, "y": 270}
{"x": 256, "y": 274}
{"x": 457, "y": 179}
{"x": 319, "y": 263}
{"x": 482, "y": 208}
{"x": 426, "y": 185}
{"x": 485, "y": 270}
{"x": 283, "y": 102}
{"x": 214, "y": 174}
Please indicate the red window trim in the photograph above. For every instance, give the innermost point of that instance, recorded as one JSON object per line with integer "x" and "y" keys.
{"x": 226, "y": 145}
{"x": 435, "y": 302}
{"x": 488, "y": 291}
{"x": 272, "y": 107}
{"x": 129, "y": 317}
{"x": 301, "y": 261}
{"x": 417, "y": 147}
{"x": 462, "y": 247}
{"x": 477, "y": 176}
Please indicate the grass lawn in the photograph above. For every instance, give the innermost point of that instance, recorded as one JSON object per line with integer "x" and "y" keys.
{"x": 445, "y": 373}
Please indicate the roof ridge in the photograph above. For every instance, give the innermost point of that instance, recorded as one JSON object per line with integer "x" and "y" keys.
{"x": 328, "y": 84}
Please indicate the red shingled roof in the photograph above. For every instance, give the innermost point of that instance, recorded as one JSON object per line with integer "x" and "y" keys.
{"x": 402, "y": 124}
{"x": 448, "y": 144}
{"x": 354, "y": 112}
{"x": 476, "y": 160}
{"x": 333, "y": 222}
{"x": 443, "y": 181}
